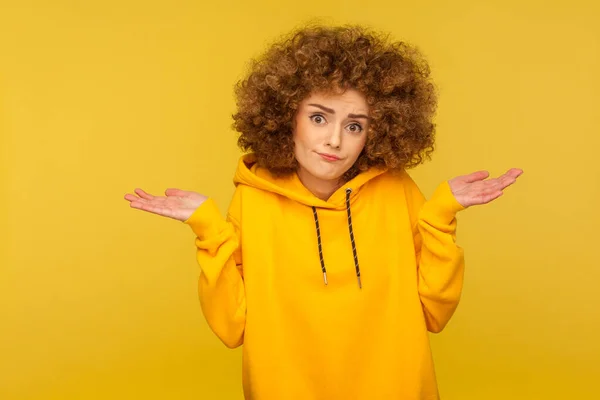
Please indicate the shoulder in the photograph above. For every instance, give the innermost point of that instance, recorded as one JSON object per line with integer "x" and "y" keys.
{"x": 397, "y": 188}
{"x": 396, "y": 180}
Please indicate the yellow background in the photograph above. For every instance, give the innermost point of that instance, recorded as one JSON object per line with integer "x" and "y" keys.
{"x": 98, "y": 301}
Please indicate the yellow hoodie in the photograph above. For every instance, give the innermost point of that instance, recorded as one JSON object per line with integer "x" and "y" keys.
{"x": 330, "y": 299}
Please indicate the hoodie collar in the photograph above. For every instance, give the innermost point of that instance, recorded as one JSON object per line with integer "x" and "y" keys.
{"x": 248, "y": 173}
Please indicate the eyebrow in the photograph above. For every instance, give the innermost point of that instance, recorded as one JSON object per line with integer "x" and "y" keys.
{"x": 331, "y": 111}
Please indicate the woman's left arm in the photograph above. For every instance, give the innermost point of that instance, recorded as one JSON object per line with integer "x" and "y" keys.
{"x": 440, "y": 260}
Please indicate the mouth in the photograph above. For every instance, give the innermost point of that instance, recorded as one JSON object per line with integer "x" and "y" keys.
{"x": 329, "y": 157}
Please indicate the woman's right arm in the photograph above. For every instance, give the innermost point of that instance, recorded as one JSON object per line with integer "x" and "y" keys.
{"x": 218, "y": 251}
{"x": 221, "y": 283}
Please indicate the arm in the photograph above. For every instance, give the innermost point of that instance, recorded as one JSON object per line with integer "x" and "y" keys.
{"x": 221, "y": 284}
{"x": 440, "y": 261}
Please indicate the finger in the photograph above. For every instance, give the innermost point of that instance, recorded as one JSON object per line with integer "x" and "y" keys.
{"x": 137, "y": 202}
{"x": 492, "y": 185}
{"x": 506, "y": 180}
{"x": 151, "y": 208}
{"x": 175, "y": 192}
{"x": 130, "y": 197}
{"x": 514, "y": 172}
{"x": 476, "y": 176}
{"x": 143, "y": 194}
{"x": 485, "y": 194}
{"x": 485, "y": 198}
{"x": 511, "y": 175}
{"x": 492, "y": 196}
{"x": 133, "y": 197}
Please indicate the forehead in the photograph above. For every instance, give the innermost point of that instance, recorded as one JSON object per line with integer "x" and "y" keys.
{"x": 349, "y": 98}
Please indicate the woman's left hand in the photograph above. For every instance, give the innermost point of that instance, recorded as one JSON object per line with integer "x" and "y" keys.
{"x": 474, "y": 189}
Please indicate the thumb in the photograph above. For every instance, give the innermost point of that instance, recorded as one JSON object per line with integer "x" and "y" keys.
{"x": 476, "y": 176}
{"x": 175, "y": 192}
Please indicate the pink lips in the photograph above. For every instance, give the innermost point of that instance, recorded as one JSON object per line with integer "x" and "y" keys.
{"x": 329, "y": 157}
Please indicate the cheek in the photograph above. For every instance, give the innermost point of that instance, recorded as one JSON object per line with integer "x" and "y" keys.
{"x": 301, "y": 135}
{"x": 358, "y": 146}
{"x": 298, "y": 142}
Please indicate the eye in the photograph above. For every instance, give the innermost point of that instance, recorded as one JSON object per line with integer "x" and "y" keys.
{"x": 355, "y": 128}
{"x": 317, "y": 119}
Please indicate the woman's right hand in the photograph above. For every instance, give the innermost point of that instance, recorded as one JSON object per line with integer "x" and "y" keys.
{"x": 177, "y": 204}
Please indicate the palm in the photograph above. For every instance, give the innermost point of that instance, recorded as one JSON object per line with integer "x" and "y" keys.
{"x": 177, "y": 204}
{"x": 475, "y": 189}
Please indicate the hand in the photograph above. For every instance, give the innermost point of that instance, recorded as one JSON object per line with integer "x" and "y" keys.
{"x": 177, "y": 204}
{"x": 473, "y": 189}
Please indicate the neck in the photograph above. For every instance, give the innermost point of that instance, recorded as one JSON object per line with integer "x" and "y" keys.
{"x": 323, "y": 189}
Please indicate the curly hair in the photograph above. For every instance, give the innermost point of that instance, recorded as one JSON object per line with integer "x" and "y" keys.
{"x": 393, "y": 77}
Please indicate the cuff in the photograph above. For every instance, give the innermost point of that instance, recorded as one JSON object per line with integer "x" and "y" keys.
{"x": 443, "y": 203}
{"x": 206, "y": 219}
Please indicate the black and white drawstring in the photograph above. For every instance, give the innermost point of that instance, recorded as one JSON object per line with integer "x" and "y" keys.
{"x": 320, "y": 246}
{"x": 354, "y": 253}
{"x": 348, "y": 192}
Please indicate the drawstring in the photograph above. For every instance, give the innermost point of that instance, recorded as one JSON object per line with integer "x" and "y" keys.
{"x": 348, "y": 191}
{"x": 356, "y": 265}
{"x": 320, "y": 246}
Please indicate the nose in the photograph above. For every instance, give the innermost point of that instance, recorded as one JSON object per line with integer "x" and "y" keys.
{"x": 334, "y": 139}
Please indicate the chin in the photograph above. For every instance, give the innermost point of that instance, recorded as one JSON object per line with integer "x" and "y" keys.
{"x": 322, "y": 170}
{"x": 328, "y": 175}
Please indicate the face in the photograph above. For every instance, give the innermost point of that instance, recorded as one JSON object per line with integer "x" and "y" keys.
{"x": 329, "y": 135}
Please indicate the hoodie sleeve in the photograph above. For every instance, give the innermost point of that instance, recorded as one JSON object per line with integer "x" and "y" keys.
{"x": 221, "y": 284}
{"x": 440, "y": 261}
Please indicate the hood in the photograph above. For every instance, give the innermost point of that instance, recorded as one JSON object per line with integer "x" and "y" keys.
{"x": 249, "y": 174}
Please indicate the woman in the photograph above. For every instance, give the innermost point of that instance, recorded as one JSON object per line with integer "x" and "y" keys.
{"x": 331, "y": 267}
